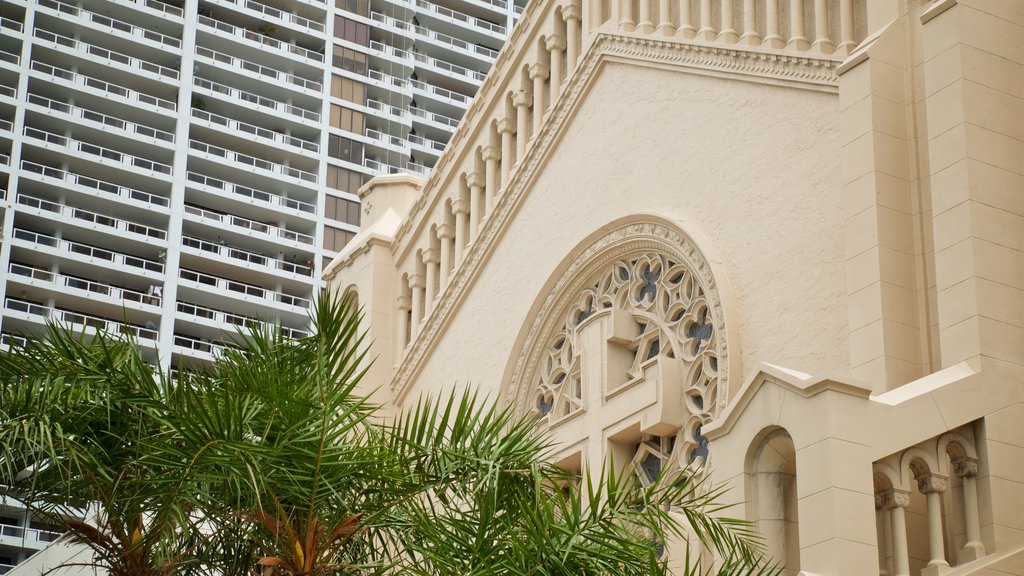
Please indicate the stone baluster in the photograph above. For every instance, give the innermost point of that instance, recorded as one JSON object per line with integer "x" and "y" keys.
{"x": 521, "y": 100}
{"x": 416, "y": 282}
{"x": 646, "y": 24}
{"x": 727, "y": 32}
{"x": 967, "y": 469}
{"x": 475, "y": 181}
{"x": 626, "y": 21}
{"x": 404, "y": 306}
{"x": 447, "y": 236}
{"x": 490, "y": 155}
{"x": 797, "y": 39}
{"x": 431, "y": 262}
{"x": 822, "y": 41}
{"x": 686, "y": 28}
{"x": 460, "y": 206}
{"x": 507, "y": 129}
{"x": 846, "y": 42}
{"x": 556, "y": 47}
{"x": 750, "y": 36}
{"x": 539, "y": 75}
{"x": 932, "y": 486}
{"x": 573, "y": 13}
{"x": 665, "y": 18}
{"x": 896, "y": 501}
{"x": 707, "y": 30}
{"x": 772, "y": 38}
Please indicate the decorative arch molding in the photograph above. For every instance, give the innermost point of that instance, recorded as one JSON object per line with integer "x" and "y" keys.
{"x": 607, "y": 271}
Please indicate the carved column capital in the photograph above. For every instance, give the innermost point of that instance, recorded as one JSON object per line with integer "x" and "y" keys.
{"x": 417, "y": 281}
{"x": 475, "y": 179}
{"x": 460, "y": 205}
{"x": 892, "y": 498}
{"x": 965, "y": 466}
{"x": 555, "y": 43}
{"x": 932, "y": 483}
{"x": 490, "y": 152}
{"x": 404, "y": 303}
{"x": 506, "y": 126}
{"x": 521, "y": 98}
{"x": 431, "y": 256}
{"x": 445, "y": 231}
{"x": 572, "y": 11}
{"x": 539, "y": 71}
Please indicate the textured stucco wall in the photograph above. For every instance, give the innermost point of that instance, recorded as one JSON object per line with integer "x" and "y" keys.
{"x": 752, "y": 168}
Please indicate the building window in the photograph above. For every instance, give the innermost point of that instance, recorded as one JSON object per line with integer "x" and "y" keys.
{"x": 344, "y": 180}
{"x": 336, "y": 238}
{"x": 346, "y": 119}
{"x": 351, "y": 31}
{"x": 361, "y": 7}
{"x": 342, "y": 210}
{"x": 350, "y": 60}
{"x": 349, "y": 90}
{"x": 345, "y": 149}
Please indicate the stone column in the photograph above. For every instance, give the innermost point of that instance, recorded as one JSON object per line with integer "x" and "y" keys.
{"x": 881, "y": 519}
{"x": 476, "y": 187}
{"x": 822, "y": 41}
{"x": 646, "y": 24}
{"x": 521, "y": 100}
{"x": 417, "y": 284}
{"x": 665, "y": 18}
{"x": 896, "y": 502}
{"x": 686, "y": 29}
{"x": 572, "y": 12}
{"x": 556, "y": 46}
{"x": 490, "y": 155}
{"x": 846, "y": 42}
{"x": 404, "y": 305}
{"x": 772, "y": 37}
{"x": 796, "y": 26}
{"x": 507, "y": 128}
{"x": 932, "y": 486}
{"x": 539, "y": 75}
{"x": 967, "y": 469}
{"x": 750, "y": 36}
{"x": 460, "y": 206}
{"x": 707, "y": 31}
{"x": 727, "y": 31}
{"x": 446, "y": 234}
{"x": 430, "y": 260}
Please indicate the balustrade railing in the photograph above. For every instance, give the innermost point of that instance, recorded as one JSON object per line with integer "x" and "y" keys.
{"x": 106, "y": 87}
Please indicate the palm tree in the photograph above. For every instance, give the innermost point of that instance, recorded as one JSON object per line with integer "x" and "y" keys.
{"x": 270, "y": 462}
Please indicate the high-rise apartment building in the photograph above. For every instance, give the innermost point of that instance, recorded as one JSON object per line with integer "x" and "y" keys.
{"x": 182, "y": 169}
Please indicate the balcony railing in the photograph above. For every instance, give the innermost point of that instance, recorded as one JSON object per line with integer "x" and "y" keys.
{"x": 92, "y": 149}
{"x": 386, "y": 108}
{"x": 387, "y": 50}
{"x": 381, "y": 168}
{"x": 245, "y": 256}
{"x": 11, "y": 24}
{"x": 77, "y": 318}
{"x": 62, "y": 281}
{"x": 447, "y": 94}
{"x": 116, "y": 258}
{"x": 107, "y": 87}
{"x": 9, "y": 57}
{"x": 256, "y": 99}
{"x": 260, "y": 38}
{"x": 105, "y": 54}
{"x": 8, "y": 91}
{"x": 279, "y": 14}
{"x": 433, "y": 145}
{"x": 91, "y": 217}
{"x": 104, "y": 119}
{"x": 252, "y": 161}
{"x": 224, "y": 285}
{"x": 264, "y": 71}
{"x": 472, "y": 75}
{"x": 160, "y": 7}
{"x": 247, "y": 224}
{"x": 434, "y": 117}
{"x": 224, "y": 317}
{"x": 384, "y": 138}
{"x": 386, "y": 80}
{"x": 261, "y": 195}
{"x": 99, "y": 185}
{"x": 255, "y": 130}
{"x": 461, "y": 18}
{"x": 113, "y": 24}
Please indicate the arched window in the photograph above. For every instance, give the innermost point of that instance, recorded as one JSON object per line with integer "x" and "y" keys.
{"x": 772, "y": 496}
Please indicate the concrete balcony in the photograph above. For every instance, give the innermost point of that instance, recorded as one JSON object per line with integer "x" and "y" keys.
{"x": 86, "y": 218}
{"x": 437, "y": 120}
{"x": 78, "y": 322}
{"x": 426, "y": 144}
{"x": 159, "y": 8}
{"x": 268, "y": 137}
{"x": 75, "y": 114}
{"x": 265, "y": 73}
{"x": 464, "y": 20}
{"x": 84, "y": 252}
{"x": 244, "y": 258}
{"x": 449, "y": 69}
{"x": 102, "y": 88}
{"x": 73, "y": 285}
{"x": 95, "y": 153}
{"x": 92, "y": 186}
{"x": 68, "y": 12}
{"x": 275, "y": 16}
{"x": 115, "y": 60}
{"x": 229, "y": 320}
{"x": 246, "y": 162}
{"x": 263, "y": 42}
{"x": 243, "y": 290}
{"x": 252, "y": 195}
{"x": 245, "y": 225}
{"x": 266, "y": 104}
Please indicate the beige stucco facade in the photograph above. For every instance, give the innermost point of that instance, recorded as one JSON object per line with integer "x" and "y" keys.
{"x": 778, "y": 242}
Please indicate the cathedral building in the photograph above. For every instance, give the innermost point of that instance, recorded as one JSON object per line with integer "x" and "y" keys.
{"x": 776, "y": 243}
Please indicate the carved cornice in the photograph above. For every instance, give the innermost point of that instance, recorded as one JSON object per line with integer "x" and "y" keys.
{"x": 749, "y": 64}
